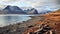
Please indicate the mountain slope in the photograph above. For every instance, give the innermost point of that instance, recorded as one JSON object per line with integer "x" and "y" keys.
{"x": 13, "y": 10}
{"x": 53, "y": 19}
{"x": 31, "y": 11}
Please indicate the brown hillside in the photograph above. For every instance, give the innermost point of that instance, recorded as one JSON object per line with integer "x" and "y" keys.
{"x": 52, "y": 19}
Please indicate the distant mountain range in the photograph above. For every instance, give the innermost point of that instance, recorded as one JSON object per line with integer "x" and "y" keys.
{"x": 31, "y": 11}
{"x": 44, "y": 12}
{"x": 18, "y": 10}
{"x": 13, "y": 10}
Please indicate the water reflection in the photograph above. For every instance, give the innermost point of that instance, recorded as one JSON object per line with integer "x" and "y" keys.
{"x": 6, "y": 20}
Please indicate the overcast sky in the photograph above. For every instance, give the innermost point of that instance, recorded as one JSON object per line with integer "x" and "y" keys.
{"x": 31, "y": 3}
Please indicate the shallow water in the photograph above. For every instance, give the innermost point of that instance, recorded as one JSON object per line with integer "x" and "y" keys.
{"x": 6, "y": 20}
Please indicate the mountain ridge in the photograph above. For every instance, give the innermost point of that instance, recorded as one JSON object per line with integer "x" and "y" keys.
{"x": 18, "y": 10}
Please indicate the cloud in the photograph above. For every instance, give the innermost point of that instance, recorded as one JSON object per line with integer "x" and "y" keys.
{"x": 8, "y": 0}
{"x": 31, "y": 3}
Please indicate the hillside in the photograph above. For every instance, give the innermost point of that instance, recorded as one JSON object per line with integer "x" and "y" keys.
{"x": 51, "y": 19}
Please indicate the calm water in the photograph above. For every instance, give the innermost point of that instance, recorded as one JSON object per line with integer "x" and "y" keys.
{"x": 6, "y": 20}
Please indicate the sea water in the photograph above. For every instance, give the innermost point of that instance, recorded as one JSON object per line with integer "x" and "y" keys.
{"x": 6, "y": 20}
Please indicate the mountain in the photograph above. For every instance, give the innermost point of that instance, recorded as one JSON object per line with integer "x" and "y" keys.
{"x": 17, "y": 10}
{"x": 2, "y": 12}
{"x": 44, "y": 11}
{"x": 31, "y": 11}
{"x": 13, "y": 10}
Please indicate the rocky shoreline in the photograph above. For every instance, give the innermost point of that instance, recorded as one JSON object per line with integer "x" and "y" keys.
{"x": 11, "y": 29}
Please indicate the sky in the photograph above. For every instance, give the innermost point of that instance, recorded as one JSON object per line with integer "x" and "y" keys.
{"x": 31, "y": 3}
